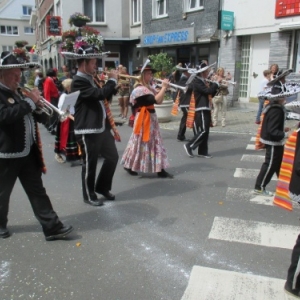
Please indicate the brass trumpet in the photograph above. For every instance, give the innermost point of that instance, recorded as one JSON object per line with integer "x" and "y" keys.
{"x": 183, "y": 88}
{"x": 49, "y": 108}
{"x": 137, "y": 78}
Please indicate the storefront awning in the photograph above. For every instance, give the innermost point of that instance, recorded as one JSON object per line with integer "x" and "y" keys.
{"x": 289, "y": 26}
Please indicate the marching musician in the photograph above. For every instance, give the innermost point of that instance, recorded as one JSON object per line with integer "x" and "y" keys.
{"x": 273, "y": 134}
{"x": 184, "y": 103}
{"x": 92, "y": 124}
{"x": 145, "y": 151}
{"x": 220, "y": 102}
{"x": 21, "y": 150}
{"x": 202, "y": 119}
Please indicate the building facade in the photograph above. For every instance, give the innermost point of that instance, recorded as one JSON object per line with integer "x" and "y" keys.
{"x": 186, "y": 30}
{"x": 269, "y": 34}
{"x": 119, "y": 22}
{"x": 14, "y": 23}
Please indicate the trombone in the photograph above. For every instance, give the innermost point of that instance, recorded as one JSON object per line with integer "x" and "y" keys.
{"x": 183, "y": 88}
{"x": 49, "y": 108}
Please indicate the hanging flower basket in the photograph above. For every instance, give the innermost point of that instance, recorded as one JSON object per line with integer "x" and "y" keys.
{"x": 79, "y": 23}
{"x": 78, "y": 19}
{"x": 21, "y": 44}
{"x": 69, "y": 34}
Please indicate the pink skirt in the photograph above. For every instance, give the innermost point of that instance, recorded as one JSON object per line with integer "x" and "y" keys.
{"x": 146, "y": 157}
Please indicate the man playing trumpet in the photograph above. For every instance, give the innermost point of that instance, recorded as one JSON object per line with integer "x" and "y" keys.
{"x": 20, "y": 149}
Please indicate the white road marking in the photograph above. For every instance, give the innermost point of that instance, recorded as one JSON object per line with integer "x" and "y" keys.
{"x": 214, "y": 284}
{"x": 252, "y": 232}
{"x": 253, "y": 158}
{"x": 244, "y": 195}
{"x": 250, "y": 147}
{"x": 253, "y": 139}
{"x": 248, "y": 173}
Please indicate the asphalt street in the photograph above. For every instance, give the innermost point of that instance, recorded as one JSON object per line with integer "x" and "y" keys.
{"x": 144, "y": 245}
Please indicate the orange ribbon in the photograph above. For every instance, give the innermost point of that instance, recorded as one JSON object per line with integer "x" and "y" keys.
{"x": 143, "y": 120}
{"x": 175, "y": 106}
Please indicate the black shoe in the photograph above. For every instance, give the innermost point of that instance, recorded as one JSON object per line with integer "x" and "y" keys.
{"x": 188, "y": 150}
{"x": 205, "y": 155}
{"x": 132, "y": 173}
{"x": 96, "y": 202}
{"x": 108, "y": 195}
{"x": 182, "y": 139}
{"x": 4, "y": 233}
{"x": 76, "y": 163}
{"x": 60, "y": 233}
{"x": 290, "y": 291}
{"x": 164, "y": 174}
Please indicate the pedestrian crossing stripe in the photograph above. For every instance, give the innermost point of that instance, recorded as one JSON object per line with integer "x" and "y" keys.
{"x": 250, "y": 147}
{"x": 248, "y": 173}
{"x": 244, "y": 195}
{"x": 253, "y": 158}
{"x": 215, "y": 284}
{"x": 253, "y": 232}
{"x": 253, "y": 139}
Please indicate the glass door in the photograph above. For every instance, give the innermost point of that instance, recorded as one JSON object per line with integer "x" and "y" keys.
{"x": 244, "y": 74}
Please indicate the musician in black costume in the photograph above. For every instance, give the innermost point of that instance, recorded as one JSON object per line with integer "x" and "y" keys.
{"x": 20, "y": 148}
{"x": 203, "y": 92}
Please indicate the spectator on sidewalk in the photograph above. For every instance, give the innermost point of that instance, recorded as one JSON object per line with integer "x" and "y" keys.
{"x": 261, "y": 98}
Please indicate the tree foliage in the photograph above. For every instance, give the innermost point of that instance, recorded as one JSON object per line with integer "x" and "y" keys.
{"x": 162, "y": 63}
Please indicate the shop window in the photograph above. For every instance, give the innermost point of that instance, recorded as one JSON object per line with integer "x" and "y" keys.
{"x": 94, "y": 9}
{"x": 136, "y": 11}
{"x": 160, "y": 8}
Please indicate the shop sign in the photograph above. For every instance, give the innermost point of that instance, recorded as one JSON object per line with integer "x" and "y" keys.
{"x": 171, "y": 37}
{"x": 286, "y": 8}
{"x": 226, "y": 20}
{"x": 53, "y": 25}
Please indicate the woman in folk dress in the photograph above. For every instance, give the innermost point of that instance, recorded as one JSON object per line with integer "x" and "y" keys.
{"x": 145, "y": 151}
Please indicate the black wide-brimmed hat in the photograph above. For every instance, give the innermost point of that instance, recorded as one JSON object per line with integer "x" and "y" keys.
{"x": 10, "y": 60}
{"x": 203, "y": 67}
{"x": 279, "y": 76}
{"x": 147, "y": 68}
{"x": 282, "y": 90}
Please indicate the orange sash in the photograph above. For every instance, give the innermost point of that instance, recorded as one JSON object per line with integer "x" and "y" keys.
{"x": 191, "y": 113}
{"x": 282, "y": 198}
{"x": 109, "y": 116}
{"x": 174, "y": 111}
{"x": 143, "y": 120}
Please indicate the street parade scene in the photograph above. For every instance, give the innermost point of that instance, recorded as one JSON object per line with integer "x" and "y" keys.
{"x": 149, "y": 150}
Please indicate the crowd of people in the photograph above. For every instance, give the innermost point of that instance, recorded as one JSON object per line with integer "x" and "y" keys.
{"x": 89, "y": 130}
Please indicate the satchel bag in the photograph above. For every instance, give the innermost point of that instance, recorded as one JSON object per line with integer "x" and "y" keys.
{"x": 218, "y": 99}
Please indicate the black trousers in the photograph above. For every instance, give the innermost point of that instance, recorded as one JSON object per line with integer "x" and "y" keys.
{"x": 201, "y": 132}
{"x": 91, "y": 146}
{"x": 293, "y": 273}
{"x": 28, "y": 171}
{"x": 271, "y": 165}
{"x": 182, "y": 125}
